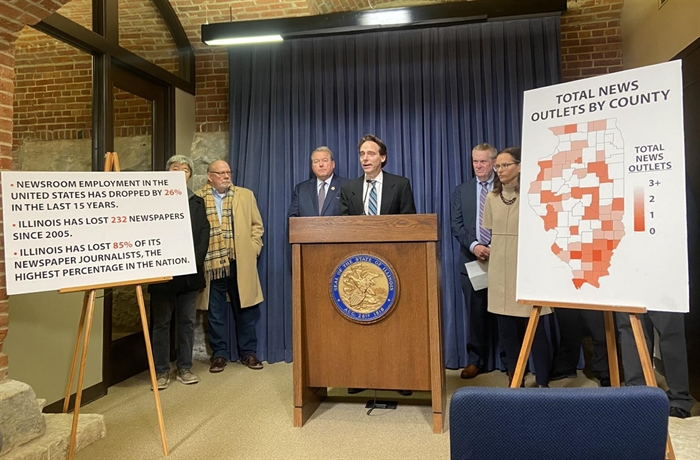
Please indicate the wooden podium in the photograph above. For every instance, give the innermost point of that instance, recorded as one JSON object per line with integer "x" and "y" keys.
{"x": 402, "y": 351}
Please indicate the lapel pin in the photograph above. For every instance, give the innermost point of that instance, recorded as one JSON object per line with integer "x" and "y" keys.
{"x": 332, "y": 188}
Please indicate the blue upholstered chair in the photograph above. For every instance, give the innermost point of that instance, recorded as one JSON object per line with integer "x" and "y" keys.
{"x": 558, "y": 423}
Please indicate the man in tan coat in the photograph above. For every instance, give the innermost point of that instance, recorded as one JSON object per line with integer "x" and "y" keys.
{"x": 235, "y": 241}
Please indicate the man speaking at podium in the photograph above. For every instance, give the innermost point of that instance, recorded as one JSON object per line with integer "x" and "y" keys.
{"x": 376, "y": 192}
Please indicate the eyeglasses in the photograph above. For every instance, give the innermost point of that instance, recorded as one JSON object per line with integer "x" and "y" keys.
{"x": 504, "y": 166}
{"x": 221, "y": 173}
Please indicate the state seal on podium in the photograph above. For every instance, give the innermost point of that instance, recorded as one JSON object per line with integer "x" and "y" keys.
{"x": 364, "y": 288}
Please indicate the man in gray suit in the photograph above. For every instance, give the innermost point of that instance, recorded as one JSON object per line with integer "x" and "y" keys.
{"x": 474, "y": 244}
{"x": 319, "y": 196}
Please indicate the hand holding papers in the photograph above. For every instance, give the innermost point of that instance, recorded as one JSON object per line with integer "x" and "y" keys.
{"x": 478, "y": 274}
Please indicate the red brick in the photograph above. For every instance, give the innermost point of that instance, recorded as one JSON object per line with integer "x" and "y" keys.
{"x": 597, "y": 9}
{"x": 579, "y": 64}
{"x": 594, "y": 25}
{"x": 594, "y": 71}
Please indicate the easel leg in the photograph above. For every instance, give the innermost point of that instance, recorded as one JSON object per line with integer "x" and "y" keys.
{"x": 151, "y": 367}
{"x": 647, "y": 368}
{"x": 527, "y": 346}
{"x": 71, "y": 374}
{"x": 611, "y": 343}
{"x": 644, "y": 357}
{"x": 81, "y": 373}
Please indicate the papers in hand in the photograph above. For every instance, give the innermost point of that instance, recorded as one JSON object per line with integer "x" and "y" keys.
{"x": 478, "y": 274}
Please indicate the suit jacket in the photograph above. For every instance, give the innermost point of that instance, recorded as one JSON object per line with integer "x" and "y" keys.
{"x": 397, "y": 196}
{"x": 305, "y": 199}
{"x": 463, "y": 220}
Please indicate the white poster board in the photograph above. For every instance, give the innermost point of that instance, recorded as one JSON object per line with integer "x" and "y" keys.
{"x": 71, "y": 229}
{"x": 603, "y": 210}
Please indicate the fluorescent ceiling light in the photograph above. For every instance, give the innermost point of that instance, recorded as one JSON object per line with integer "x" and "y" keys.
{"x": 364, "y": 21}
{"x": 383, "y": 18}
{"x": 245, "y": 40}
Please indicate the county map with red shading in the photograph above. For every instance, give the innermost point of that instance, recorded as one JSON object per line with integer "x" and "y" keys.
{"x": 579, "y": 193}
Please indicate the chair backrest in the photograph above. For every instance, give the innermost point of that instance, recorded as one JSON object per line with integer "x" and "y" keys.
{"x": 558, "y": 423}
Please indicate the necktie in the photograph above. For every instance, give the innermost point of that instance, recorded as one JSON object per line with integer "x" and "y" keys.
{"x": 372, "y": 205}
{"x": 321, "y": 197}
{"x": 484, "y": 235}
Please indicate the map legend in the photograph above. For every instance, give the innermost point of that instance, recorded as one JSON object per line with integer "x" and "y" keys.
{"x": 639, "y": 209}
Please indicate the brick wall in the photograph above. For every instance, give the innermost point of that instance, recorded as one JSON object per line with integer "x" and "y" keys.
{"x": 591, "y": 38}
{"x": 211, "y": 100}
{"x": 132, "y": 115}
{"x": 142, "y": 31}
{"x": 53, "y": 90}
{"x": 53, "y": 94}
{"x": 79, "y": 11}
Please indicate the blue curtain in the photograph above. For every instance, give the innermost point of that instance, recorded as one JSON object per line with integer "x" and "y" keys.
{"x": 430, "y": 95}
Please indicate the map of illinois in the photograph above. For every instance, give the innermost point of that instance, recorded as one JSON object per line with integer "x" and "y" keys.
{"x": 579, "y": 193}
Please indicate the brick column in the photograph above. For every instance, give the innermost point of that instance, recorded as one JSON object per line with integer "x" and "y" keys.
{"x": 7, "y": 63}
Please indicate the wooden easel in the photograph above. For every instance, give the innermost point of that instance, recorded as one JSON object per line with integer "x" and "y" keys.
{"x": 111, "y": 164}
{"x": 611, "y": 341}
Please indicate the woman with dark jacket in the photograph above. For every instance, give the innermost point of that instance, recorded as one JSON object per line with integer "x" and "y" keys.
{"x": 179, "y": 295}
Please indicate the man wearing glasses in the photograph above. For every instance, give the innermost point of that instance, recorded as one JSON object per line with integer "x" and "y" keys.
{"x": 319, "y": 196}
{"x": 467, "y": 210}
{"x": 231, "y": 265}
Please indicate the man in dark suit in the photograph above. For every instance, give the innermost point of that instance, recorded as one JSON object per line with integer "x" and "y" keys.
{"x": 319, "y": 196}
{"x": 376, "y": 192}
{"x": 474, "y": 244}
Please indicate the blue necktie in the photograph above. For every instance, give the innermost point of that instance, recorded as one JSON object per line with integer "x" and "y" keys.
{"x": 372, "y": 205}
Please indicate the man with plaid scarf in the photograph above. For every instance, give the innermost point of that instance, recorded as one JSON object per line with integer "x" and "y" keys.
{"x": 235, "y": 241}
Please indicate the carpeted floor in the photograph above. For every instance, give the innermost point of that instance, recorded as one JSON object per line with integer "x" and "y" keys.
{"x": 246, "y": 414}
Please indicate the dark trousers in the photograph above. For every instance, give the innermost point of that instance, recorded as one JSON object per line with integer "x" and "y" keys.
{"x": 511, "y": 331}
{"x": 574, "y": 325}
{"x": 218, "y": 315}
{"x": 163, "y": 305}
{"x": 479, "y": 323}
{"x": 671, "y": 329}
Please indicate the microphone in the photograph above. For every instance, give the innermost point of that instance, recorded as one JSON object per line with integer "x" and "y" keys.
{"x": 364, "y": 198}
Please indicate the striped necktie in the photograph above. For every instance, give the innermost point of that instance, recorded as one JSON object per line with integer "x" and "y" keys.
{"x": 484, "y": 235}
{"x": 372, "y": 205}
